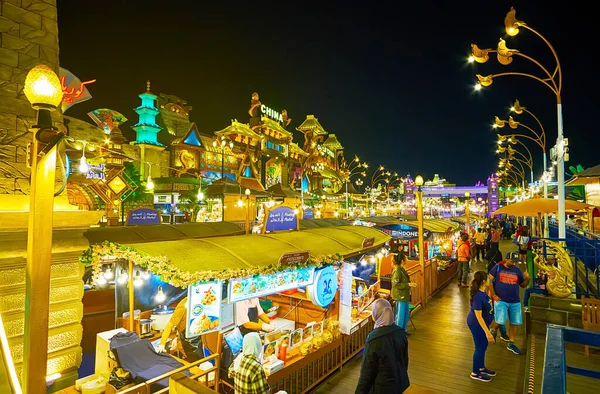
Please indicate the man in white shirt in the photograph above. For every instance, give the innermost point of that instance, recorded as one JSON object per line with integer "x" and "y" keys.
{"x": 249, "y": 314}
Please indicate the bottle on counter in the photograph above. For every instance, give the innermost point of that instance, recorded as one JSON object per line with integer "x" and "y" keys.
{"x": 283, "y": 351}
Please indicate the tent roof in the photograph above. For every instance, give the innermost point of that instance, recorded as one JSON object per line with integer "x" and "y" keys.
{"x": 387, "y": 219}
{"x": 318, "y": 223}
{"x": 160, "y": 232}
{"x": 435, "y": 225}
{"x": 248, "y": 251}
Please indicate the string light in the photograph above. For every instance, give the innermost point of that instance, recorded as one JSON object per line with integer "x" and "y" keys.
{"x": 83, "y": 165}
{"x": 123, "y": 277}
{"x": 137, "y": 282}
{"x": 160, "y": 296}
{"x": 146, "y": 275}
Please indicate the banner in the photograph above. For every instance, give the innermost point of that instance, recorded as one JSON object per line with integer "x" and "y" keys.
{"x": 74, "y": 91}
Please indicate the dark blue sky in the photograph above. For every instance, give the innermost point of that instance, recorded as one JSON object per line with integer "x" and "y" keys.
{"x": 390, "y": 80}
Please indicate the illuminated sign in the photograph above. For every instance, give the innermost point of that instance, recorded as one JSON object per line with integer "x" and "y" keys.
{"x": 294, "y": 257}
{"x": 96, "y": 171}
{"x": 322, "y": 292}
{"x": 203, "y": 309}
{"x": 271, "y": 113}
{"x": 74, "y": 91}
{"x": 262, "y": 285}
{"x": 281, "y": 219}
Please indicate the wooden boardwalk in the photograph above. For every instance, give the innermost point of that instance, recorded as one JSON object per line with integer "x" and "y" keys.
{"x": 441, "y": 350}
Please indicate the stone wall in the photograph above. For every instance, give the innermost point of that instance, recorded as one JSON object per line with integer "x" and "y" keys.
{"x": 561, "y": 311}
{"x": 28, "y": 37}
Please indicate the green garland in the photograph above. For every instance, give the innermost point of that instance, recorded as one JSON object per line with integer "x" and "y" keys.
{"x": 106, "y": 253}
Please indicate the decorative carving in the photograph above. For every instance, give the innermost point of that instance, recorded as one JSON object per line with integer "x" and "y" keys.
{"x": 480, "y": 55}
{"x": 500, "y": 123}
{"x": 517, "y": 108}
{"x": 188, "y": 161}
{"x": 504, "y": 54}
{"x": 175, "y": 104}
{"x": 286, "y": 119}
{"x": 254, "y": 106}
{"x": 485, "y": 80}
{"x": 511, "y": 23}
{"x": 512, "y": 123}
{"x": 560, "y": 273}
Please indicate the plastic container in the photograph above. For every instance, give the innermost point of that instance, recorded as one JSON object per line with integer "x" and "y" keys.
{"x": 283, "y": 351}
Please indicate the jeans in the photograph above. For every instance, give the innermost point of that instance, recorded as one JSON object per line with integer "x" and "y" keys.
{"x": 462, "y": 272}
{"x": 402, "y": 314}
{"x": 479, "y": 252}
{"x": 481, "y": 343}
{"x": 533, "y": 290}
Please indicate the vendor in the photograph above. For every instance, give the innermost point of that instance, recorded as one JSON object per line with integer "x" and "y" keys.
{"x": 192, "y": 347}
{"x": 249, "y": 314}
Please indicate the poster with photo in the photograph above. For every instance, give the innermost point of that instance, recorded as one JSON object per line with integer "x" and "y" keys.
{"x": 307, "y": 333}
{"x": 204, "y": 308}
{"x": 296, "y": 338}
{"x": 262, "y": 285}
{"x": 269, "y": 349}
{"x": 318, "y": 328}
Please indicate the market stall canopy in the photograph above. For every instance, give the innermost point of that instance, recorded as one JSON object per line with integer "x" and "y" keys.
{"x": 435, "y": 225}
{"x": 160, "y": 232}
{"x": 278, "y": 190}
{"x": 536, "y": 206}
{"x": 246, "y": 252}
{"x": 585, "y": 177}
{"x": 463, "y": 219}
{"x": 319, "y": 223}
{"x": 227, "y": 185}
{"x": 381, "y": 220}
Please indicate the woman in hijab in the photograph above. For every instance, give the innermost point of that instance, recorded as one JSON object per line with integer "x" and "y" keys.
{"x": 384, "y": 367}
{"x": 247, "y": 371}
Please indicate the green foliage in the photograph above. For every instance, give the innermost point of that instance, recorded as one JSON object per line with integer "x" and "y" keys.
{"x": 188, "y": 201}
{"x": 139, "y": 197}
{"x": 576, "y": 192}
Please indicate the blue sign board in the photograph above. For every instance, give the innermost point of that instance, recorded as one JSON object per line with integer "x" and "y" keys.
{"x": 322, "y": 292}
{"x": 281, "y": 219}
{"x": 309, "y": 214}
{"x": 143, "y": 216}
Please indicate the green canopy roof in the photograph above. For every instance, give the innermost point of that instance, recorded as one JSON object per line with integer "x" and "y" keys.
{"x": 435, "y": 225}
{"x": 248, "y": 251}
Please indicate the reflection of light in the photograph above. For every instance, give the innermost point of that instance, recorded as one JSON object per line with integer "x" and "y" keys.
{"x": 137, "y": 282}
{"x": 108, "y": 274}
{"x": 123, "y": 277}
{"x": 146, "y": 275}
{"x": 53, "y": 377}
{"x": 101, "y": 281}
{"x": 160, "y": 296}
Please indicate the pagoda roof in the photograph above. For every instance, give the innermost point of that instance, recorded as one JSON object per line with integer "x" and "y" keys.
{"x": 333, "y": 143}
{"x": 191, "y": 137}
{"x": 294, "y": 148}
{"x": 311, "y": 124}
{"x": 238, "y": 128}
{"x": 278, "y": 190}
{"x": 273, "y": 125}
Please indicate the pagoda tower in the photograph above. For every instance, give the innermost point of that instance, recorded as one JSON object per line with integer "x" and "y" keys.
{"x": 146, "y": 129}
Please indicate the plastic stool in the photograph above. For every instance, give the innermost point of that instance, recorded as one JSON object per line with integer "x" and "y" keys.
{"x": 411, "y": 307}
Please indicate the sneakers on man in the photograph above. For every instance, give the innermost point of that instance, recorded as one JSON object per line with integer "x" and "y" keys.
{"x": 488, "y": 372}
{"x": 511, "y": 346}
{"x": 504, "y": 337}
{"x": 481, "y": 376}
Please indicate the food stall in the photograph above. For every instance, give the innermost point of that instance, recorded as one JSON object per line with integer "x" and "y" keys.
{"x": 297, "y": 272}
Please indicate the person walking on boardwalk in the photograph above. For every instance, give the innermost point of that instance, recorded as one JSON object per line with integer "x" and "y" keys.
{"x": 464, "y": 255}
{"x": 401, "y": 285}
{"x": 384, "y": 368}
{"x": 479, "y": 319}
{"x": 506, "y": 279}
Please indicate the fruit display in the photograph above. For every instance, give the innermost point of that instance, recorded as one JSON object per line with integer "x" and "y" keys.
{"x": 305, "y": 348}
{"x": 317, "y": 341}
{"x": 327, "y": 336}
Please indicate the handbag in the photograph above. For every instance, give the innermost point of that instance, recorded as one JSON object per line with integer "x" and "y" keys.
{"x": 515, "y": 240}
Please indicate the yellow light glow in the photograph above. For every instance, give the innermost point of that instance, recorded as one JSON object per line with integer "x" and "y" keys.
{"x": 53, "y": 377}
{"x": 471, "y": 59}
{"x": 240, "y": 203}
{"x": 149, "y": 183}
{"x": 200, "y": 195}
{"x": 160, "y": 296}
{"x": 467, "y": 194}
{"x": 83, "y": 165}
{"x": 247, "y": 192}
{"x": 42, "y": 88}
{"x": 419, "y": 180}
{"x": 478, "y": 86}
{"x": 4, "y": 347}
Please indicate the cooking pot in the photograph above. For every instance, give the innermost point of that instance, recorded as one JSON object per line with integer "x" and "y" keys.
{"x": 160, "y": 317}
{"x": 145, "y": 327}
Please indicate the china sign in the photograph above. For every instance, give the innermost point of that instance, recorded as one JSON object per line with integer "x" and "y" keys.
{"x": 271, "y": 113}
{"x": 281, "y": 219}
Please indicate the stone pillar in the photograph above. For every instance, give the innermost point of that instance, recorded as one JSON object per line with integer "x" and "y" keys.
{"x": 28, "y": 37}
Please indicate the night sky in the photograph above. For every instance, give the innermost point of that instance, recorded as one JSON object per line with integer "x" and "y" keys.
{"x": 391, "y": 81}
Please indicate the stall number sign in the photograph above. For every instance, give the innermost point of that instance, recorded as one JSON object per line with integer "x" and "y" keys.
{"x": 203, "y": 309}
{"x": 294, "y": 258}
{"x": 322, "y": 292}
{"x": 281, "y": 219}
{"x": 309, "y": 214}
{"x": 262, "y": 285}
{"x": 143, "y": 216}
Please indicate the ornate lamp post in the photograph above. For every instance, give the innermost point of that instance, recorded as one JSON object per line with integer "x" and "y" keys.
{"x": 247, "y": 192}
{"x": 355, "y": 167}
{"x": 419, "y": 195}
{"x": 553, "y": 81}
{"x": 43, "y": 90}
{"x": 468, "y": 211}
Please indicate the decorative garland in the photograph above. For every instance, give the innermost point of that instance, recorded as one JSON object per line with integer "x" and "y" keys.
{"x": 97, "y": 255}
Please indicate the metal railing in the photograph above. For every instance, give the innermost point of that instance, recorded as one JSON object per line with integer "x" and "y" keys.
{"x": 554, "y": 380}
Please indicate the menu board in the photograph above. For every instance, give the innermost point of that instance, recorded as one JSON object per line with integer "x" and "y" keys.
{"x": 204, "y": 308}
{"x": 261, "y": 285}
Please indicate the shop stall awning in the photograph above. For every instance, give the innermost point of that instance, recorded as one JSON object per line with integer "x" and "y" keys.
{"x": 278, "y": 190}
{"x": 319, "y": 223}
{"x": 435, "y": 225}
{"x": 248, "y": 251}
{"x": 387, "y": 219}
{"x": 160, "y": 232}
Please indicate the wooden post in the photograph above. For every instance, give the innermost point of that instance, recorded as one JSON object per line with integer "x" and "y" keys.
{"x": 39, "y": 258}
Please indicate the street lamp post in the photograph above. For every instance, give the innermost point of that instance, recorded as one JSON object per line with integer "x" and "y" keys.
{"x": 220, "y": 144}
{"x": 349, "y": 170}
{"x": 247, "y": 192}
{"x": 468, "y": 211}
{"x": 419, "y": 195}
{"x": 43, "y": 90}
{"x": 553, "y": 81}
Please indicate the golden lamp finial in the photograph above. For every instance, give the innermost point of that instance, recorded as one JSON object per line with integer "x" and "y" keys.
{"x": 479, "y": 55}
{"x": 512, "y": 123}
{"x": 517, "y": 108}
{"x": 148, "y": 86}
{"x": 511, "y": 23}
{"x": 505, "y": 54}
{"x": 485, "y": 80}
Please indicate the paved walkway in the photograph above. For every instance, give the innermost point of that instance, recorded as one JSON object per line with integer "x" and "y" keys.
{"x": 441, "y": 350}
